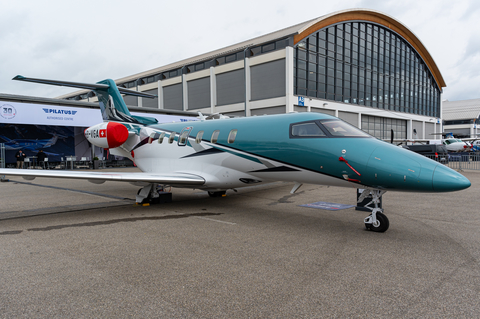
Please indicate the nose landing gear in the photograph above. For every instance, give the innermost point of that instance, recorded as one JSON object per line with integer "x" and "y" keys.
{"x": 377, "y": 221}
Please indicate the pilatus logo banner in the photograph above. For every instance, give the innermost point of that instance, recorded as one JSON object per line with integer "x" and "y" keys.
{"x": 8, "y": 111}
{"x": 54, "y": 111}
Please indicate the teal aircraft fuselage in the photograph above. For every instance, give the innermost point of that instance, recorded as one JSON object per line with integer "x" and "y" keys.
{"x": 352, "y": 156}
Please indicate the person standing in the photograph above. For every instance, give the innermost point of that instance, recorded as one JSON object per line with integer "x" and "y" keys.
{"x": 20, "y": 158}
{"x": 41, "y": 158}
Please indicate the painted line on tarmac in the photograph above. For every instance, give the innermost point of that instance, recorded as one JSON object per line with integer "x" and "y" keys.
{"x": 215, "y": 220}
{"x": 74, "y": 190}
{"x": 62, "y": 209}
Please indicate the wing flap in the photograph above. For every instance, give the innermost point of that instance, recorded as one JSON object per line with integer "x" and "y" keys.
{"x": 170, "y": 179}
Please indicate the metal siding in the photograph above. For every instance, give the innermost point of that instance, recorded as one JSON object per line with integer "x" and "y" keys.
{"x": 151, "y": 103}
{"x": 329, "y": 112}
{"x": 464, "y": 131}
{"x": 235, "y": 114}
{"x": 268, "y": 80}
{"x": 172, "y": 97}
{"x": 429, "y": 130}
{"x": 348, "y": 117}
{"x": 297, "y": 108}
{"x": 269, "y": 110}
{"x": 231, "y": 87}
{"x": 130, "y": 100}
{"x": 199, "y": 93}
{"x": 419, "y": 127}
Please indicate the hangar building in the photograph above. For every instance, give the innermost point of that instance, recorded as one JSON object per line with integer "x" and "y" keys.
{"x": 462, "y": 118}
{"x": 360, "y": 65}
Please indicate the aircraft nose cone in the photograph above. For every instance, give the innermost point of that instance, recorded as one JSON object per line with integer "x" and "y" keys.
{"x": 447, "y": 180}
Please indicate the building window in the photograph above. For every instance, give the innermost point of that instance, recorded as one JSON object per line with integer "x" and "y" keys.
{"x": 366, "y": 64}
{"x": 382, "y": 128}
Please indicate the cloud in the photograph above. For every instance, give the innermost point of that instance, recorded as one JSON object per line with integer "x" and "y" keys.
{"x": 92, "y": 40}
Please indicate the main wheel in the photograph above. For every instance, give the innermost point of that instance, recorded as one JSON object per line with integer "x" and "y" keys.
{"x": 382, "y": 226}
{"x": 217, "y": 194}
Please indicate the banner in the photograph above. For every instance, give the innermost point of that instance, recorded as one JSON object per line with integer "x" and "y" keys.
{"x": 44, "y": 114}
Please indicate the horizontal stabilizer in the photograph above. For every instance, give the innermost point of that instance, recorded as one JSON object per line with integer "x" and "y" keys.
{"x": 109, "y": 97}
{"x": 79, "y": 85}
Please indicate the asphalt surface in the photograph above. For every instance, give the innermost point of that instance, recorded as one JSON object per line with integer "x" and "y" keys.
{"x": 72, "y": 249}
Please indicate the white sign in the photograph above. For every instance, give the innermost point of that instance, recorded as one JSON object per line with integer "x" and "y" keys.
{"x": 44, "y": 114}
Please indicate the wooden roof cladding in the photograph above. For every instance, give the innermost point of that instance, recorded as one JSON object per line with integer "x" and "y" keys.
{"x": 379, "y": 18}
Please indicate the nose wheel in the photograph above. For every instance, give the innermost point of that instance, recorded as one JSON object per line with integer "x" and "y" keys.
{"x": 380, "y": 224}
{"x": 377, "y": 221}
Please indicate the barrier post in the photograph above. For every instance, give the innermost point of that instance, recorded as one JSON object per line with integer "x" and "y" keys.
{"x": 2, "y": 161}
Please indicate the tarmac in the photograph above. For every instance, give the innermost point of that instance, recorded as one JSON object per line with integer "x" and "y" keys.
{"x": 72, "y": 249}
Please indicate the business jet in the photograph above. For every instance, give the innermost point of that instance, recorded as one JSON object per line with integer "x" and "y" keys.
{"x": 228, "y": 153}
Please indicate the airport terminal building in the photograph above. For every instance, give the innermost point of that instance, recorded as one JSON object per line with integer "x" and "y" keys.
{"x": 462, "y": 118}
{"x": 360, "y": 65}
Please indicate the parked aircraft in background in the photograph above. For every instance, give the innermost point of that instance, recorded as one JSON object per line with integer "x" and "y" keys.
{"x": 452, "y": 144}
{"x": 456, "y": 145}
{"x": 229, "y": 153}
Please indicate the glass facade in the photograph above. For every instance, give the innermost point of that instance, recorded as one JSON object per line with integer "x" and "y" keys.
{"x": 366, "y": 64}
{"x": 381, "y": 127}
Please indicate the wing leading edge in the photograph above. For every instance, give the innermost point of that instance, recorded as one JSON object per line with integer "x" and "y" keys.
{"x": 99, "y": 177}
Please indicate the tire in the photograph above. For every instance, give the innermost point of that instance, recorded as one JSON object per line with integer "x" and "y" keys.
{"x": 384, "y": 224}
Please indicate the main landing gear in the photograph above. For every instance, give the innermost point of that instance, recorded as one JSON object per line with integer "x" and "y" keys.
{"x": 153, "y": 194}
{"x": 377, "y": 221}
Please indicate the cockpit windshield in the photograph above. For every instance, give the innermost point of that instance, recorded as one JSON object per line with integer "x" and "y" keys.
{"x": 338, "y": 128}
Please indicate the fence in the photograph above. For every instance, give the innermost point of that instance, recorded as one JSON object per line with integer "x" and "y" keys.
{"x": 460, "y": 161}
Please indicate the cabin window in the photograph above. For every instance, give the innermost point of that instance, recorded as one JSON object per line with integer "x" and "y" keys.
{"x": 307, "y": 129}
{"x": 160, "y": 138}
{"x": 231, "y": 136}
{"x": 215, "y": 136}
{"x": 339, "y": 128}
{"x": 172, "y": 137}
{"x": 198, "y": 139}
{"x": 182, "y": 140}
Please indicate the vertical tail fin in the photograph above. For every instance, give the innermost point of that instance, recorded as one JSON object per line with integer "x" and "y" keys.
{"x": 109, "y": 97}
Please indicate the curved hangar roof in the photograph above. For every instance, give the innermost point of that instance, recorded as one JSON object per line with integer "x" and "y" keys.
{"x": 375, "y": 17}
{"x": 301, "y": 31}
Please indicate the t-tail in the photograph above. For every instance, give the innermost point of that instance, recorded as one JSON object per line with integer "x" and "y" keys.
{"x": 109, "y": 98}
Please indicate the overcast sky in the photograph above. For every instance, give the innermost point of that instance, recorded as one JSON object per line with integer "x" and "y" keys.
{"x": 88, "y": 41}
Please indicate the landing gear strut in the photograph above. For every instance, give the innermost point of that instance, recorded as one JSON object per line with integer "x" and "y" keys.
{"x": 148, "y": 194}
{"x": 377, "y": 221}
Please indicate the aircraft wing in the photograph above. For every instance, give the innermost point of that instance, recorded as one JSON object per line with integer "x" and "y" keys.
{"x": 405, "y": 140}
{"x": 100, "y": 177}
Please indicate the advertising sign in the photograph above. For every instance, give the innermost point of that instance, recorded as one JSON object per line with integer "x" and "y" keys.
{"x": 43, "y": 114}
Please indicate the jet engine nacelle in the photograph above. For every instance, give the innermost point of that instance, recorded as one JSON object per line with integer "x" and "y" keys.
{"x": 107, "y": 135}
